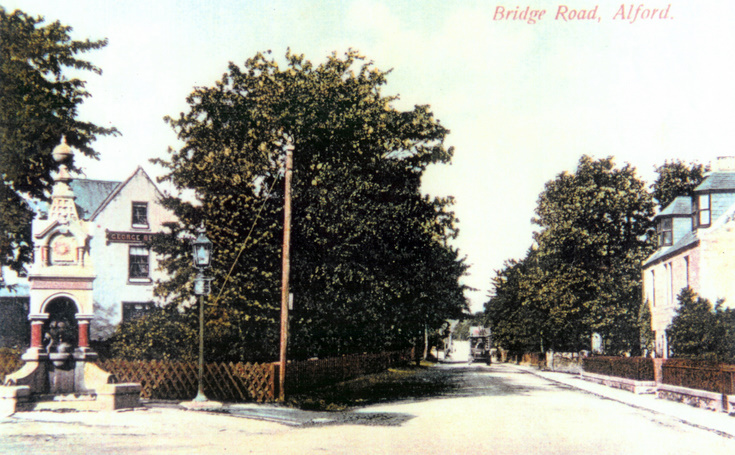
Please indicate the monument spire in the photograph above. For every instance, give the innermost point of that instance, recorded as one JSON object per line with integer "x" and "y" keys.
{"x": 63, "y": 208}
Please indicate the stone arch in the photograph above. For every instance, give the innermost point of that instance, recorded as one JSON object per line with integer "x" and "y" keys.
{"x": 61, "y": 330}
{"x": 60, "y": 296}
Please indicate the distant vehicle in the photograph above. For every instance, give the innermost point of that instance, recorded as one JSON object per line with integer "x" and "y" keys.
{"x": 480, "y": 341}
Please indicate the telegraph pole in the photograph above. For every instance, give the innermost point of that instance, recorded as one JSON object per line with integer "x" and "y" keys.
{"x": 286, "y": 271}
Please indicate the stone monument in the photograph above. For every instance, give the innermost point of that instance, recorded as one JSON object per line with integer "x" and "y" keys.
{"x": 59, "y": 370}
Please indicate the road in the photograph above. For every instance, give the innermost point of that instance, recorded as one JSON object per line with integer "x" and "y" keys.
{"x": 499, "y": 409}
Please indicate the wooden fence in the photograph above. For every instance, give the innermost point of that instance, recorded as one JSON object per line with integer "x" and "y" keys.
{"x": 179, "y": 380}
{"x": 235, "y": 382}
{"x": 700, "y": 375}
{"x": 636, "y": 368}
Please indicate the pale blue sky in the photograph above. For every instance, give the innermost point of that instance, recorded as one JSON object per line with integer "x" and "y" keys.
{"x": 523, "y": 101}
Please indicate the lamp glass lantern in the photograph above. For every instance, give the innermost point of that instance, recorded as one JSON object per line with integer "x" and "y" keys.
{"x": 202, "y": 251}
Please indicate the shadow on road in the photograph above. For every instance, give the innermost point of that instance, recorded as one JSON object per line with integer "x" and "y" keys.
{"x": 420, "y": 383}
{"x": 341, "y": 404}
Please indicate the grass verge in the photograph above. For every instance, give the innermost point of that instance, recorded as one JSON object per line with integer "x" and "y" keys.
{"x": 390, "y": 385}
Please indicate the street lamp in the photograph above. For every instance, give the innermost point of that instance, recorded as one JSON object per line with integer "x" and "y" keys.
{"x": 202, "y": 250}
{"x": 202, "y": 253}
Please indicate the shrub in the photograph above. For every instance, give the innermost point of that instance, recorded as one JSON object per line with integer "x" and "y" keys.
{"x": 162, "y": 334}
{"x": 636, "y": 368}
{"x": 9, "y": 362}
{"x": 701, "y": 331}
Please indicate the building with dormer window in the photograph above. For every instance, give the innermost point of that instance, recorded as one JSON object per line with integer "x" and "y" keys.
{"x": 696, "y": 241}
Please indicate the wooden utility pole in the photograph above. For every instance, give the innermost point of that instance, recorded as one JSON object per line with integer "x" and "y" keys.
{"x": 286, "y": 271}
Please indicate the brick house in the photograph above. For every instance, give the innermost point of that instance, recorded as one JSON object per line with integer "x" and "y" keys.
{"x": 696, "y": 238}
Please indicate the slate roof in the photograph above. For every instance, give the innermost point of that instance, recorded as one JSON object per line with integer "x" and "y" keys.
{"x": 689, "y": 240}
{"x": 718, "y": 181}
{"x": 90, "y": 194}
{"x": 681, "y": 206}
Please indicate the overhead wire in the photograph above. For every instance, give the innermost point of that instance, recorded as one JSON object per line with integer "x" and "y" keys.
{"x": 244, "y": 243}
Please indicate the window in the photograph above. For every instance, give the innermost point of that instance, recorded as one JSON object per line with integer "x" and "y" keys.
{"x": 653, "y": 287}
{"x": 667, "y": 284}
{"x": 686, "y": 264}
{"x": 703, "y": 213}
{"x": 670, "y": 299}
{"x": 132, "y": 310}
{"x": 665, "y": 232}
{"x": 140, "y": 214}
{"x": 138, "y": 263}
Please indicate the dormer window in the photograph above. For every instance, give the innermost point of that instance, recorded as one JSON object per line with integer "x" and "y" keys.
{"x": 140, "y": 215}
{"x": 665, "y": 232}
{"x": 703, "y": 211}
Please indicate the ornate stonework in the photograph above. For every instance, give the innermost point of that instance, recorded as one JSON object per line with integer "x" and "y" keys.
{"x": 62, "y": 269}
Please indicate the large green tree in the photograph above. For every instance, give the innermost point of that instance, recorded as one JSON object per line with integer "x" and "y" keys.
{"x": 590, "y": 247}
{"x": 38, "y": 104}
{"x": 676, "y": 178}
{"x": 371, "y": 265}
{"x": 519, "y": 320}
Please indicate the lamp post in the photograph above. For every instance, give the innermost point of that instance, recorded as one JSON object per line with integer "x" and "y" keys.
{"x": 202, "y": 253}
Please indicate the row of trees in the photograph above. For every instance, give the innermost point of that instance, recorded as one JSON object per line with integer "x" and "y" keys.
{"x": 582, "y": 275}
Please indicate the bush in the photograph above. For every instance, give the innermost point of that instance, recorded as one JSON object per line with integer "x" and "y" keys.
{"x": 636, "y": 368}
{"x": 162, "y": 334}
{"x": 700, "y": 331}
{"x": 9, "y": 362}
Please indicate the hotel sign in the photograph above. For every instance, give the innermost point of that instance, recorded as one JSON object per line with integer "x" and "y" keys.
{"x": 128, "y": 237}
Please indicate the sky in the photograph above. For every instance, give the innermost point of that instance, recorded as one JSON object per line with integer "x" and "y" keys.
{"x": 524, "y": 101}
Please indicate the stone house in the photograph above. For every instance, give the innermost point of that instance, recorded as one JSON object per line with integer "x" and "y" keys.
{"x": 696, "y": 238}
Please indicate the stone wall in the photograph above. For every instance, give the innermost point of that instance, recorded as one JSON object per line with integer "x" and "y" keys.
{"x": 564, "y": 362}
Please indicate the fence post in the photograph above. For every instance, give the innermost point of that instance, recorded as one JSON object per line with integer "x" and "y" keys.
{"x": 658, "y": 370}
{"x": 275, "y": 380}
{"x": 724, "y": 387}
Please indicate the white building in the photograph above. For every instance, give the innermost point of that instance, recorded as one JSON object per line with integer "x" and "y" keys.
{"x": 123, "y": 216}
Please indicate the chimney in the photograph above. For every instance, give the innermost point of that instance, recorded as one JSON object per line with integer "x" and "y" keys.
{"x": 724, "y": 164}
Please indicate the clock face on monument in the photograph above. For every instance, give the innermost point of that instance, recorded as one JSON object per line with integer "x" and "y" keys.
{"x": 62, "y": 250}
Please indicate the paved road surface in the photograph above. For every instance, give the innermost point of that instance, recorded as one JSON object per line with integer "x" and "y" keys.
{"x": 499, "y": 409}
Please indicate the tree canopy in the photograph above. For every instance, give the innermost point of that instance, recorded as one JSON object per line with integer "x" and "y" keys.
{"x": 38, "y": 104}
{"x": 516, "y": 315}
{"x": 371, "y": 263}
{"x": 676, "y": 178}
{"x": 583, "y": 274}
